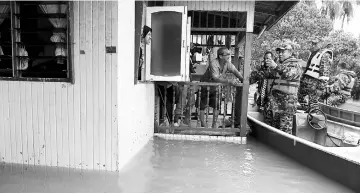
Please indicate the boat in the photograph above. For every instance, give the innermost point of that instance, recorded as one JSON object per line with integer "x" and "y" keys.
{"x": 347, "y": 113}
{"x": 326, "y": 140}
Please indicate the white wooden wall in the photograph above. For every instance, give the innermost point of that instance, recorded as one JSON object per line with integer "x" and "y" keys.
{"x": 216, "y": 5}
{"x": 137, "y": 101}
{"x": 63, "y": 124}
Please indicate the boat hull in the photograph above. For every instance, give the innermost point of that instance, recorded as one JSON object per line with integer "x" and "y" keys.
{"x": 319, "y": 158}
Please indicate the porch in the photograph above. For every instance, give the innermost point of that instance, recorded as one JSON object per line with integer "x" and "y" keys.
{"x": 213, "y": 25}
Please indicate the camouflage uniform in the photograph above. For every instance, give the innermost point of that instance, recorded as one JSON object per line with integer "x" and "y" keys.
{"x": 313, "y": 87}
{"x": 260, "y": 75}
{"x": 281, "y": 106}
{"x": 340, "y": 90}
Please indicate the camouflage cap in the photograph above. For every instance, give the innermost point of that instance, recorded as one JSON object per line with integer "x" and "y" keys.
{"x": 284, "y": 46}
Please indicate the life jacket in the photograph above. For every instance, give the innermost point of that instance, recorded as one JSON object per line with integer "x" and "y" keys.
{"x": 285, "y": 86}
{"x": 314, "y": 68}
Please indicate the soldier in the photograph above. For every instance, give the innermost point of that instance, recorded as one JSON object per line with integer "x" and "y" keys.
{"x": 315, "y": 77}
{"x": 340, "y": 90}
{"x": 282, "y": 99}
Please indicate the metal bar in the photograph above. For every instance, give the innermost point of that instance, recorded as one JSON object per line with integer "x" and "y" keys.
{"x": 207, "y": 105}
{"x": 200, "y": 19}
{"x": 207, "y": 19}
{"x": 218, "y": 29}
{"x": 14, "y": 24}
{"x": 237, "y": 19}
{"x": 229, "y": 19}
{"x": 221, "y": 24}
{"x": 214, "y": 21}
{"x": 70, "y": 39}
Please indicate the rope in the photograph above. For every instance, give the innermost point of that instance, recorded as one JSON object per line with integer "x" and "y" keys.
{"x": 332, "y": 140}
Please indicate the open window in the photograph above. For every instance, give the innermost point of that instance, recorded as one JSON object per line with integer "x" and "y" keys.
{"x": 166, "y": 57}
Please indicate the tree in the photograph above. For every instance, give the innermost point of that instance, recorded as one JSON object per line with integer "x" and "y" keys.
{"x": 301, "y": 23}
{"x": 346, "y": 49}
{"x": 339, "y": 10}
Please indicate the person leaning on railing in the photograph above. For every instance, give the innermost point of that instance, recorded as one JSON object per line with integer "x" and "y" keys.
{"x": 216, "y": 72}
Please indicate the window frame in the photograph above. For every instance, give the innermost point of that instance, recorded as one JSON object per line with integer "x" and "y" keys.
{"x": 185, "y": 48}
{"x": 69, "y": 41}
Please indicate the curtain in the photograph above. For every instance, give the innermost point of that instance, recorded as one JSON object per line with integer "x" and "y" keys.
{"x": 57, "y": 37}
{"x": 3, "y": 9}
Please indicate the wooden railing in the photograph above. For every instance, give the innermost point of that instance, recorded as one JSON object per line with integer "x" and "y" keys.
{"x": 181, "y": 113}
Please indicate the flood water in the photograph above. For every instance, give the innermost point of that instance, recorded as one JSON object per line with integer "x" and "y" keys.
{"x": 181, "y": 166}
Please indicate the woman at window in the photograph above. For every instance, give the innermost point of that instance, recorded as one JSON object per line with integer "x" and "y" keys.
{"x": 145, "y": 39}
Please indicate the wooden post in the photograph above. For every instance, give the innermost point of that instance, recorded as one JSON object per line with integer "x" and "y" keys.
{"x": 245, "y": 93}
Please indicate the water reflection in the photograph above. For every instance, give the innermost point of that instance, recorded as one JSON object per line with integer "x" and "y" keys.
{"x": 180, "y": 166}
{"x": 195, "y": 166}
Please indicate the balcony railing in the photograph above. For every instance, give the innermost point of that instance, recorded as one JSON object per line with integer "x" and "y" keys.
{"x": 178, "y": 109}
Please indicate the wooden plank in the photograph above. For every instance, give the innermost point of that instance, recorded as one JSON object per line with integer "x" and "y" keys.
{"x": 89, "y": 87}
{"x": 77, "y": 89}
{"x": 53, "y": 128}
{"x": 114, "y": 84}
{"x": 14, "y": 122}
{"x": 41, "y": 123}
{"x": 108, "y": 109}
{"x": 47, "y": 124}
{"x": 24, "y": 135}
{"x": 83, "y": 93}
{"x": 7, "y": 124}
{"x": 32, "y": 102}
{"x": 71, "y": 88}
{"x": 95, "y": 75}
{"x": 245, "y": 93}
{"x": 64, "y": 125}
{"x": 101, "y": 75}
{"x": 58, "y": 120}
{"x": 3, "y": 128}
{"x": 71, "y": 125}
{"x": 27, "y": 124}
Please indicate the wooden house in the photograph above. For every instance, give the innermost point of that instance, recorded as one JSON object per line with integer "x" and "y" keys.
{"x": 68, "y": 87}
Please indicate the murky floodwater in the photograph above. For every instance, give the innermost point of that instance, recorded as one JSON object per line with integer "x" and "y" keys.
{"x": 182, "y": 166}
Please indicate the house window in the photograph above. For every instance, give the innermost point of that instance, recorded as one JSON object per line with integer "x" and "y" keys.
{"x": 35, "y": 41}
{"x": 166, "y": 57}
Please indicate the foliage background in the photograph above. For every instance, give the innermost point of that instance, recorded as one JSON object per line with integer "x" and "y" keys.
{"x": 303, "y": 23}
